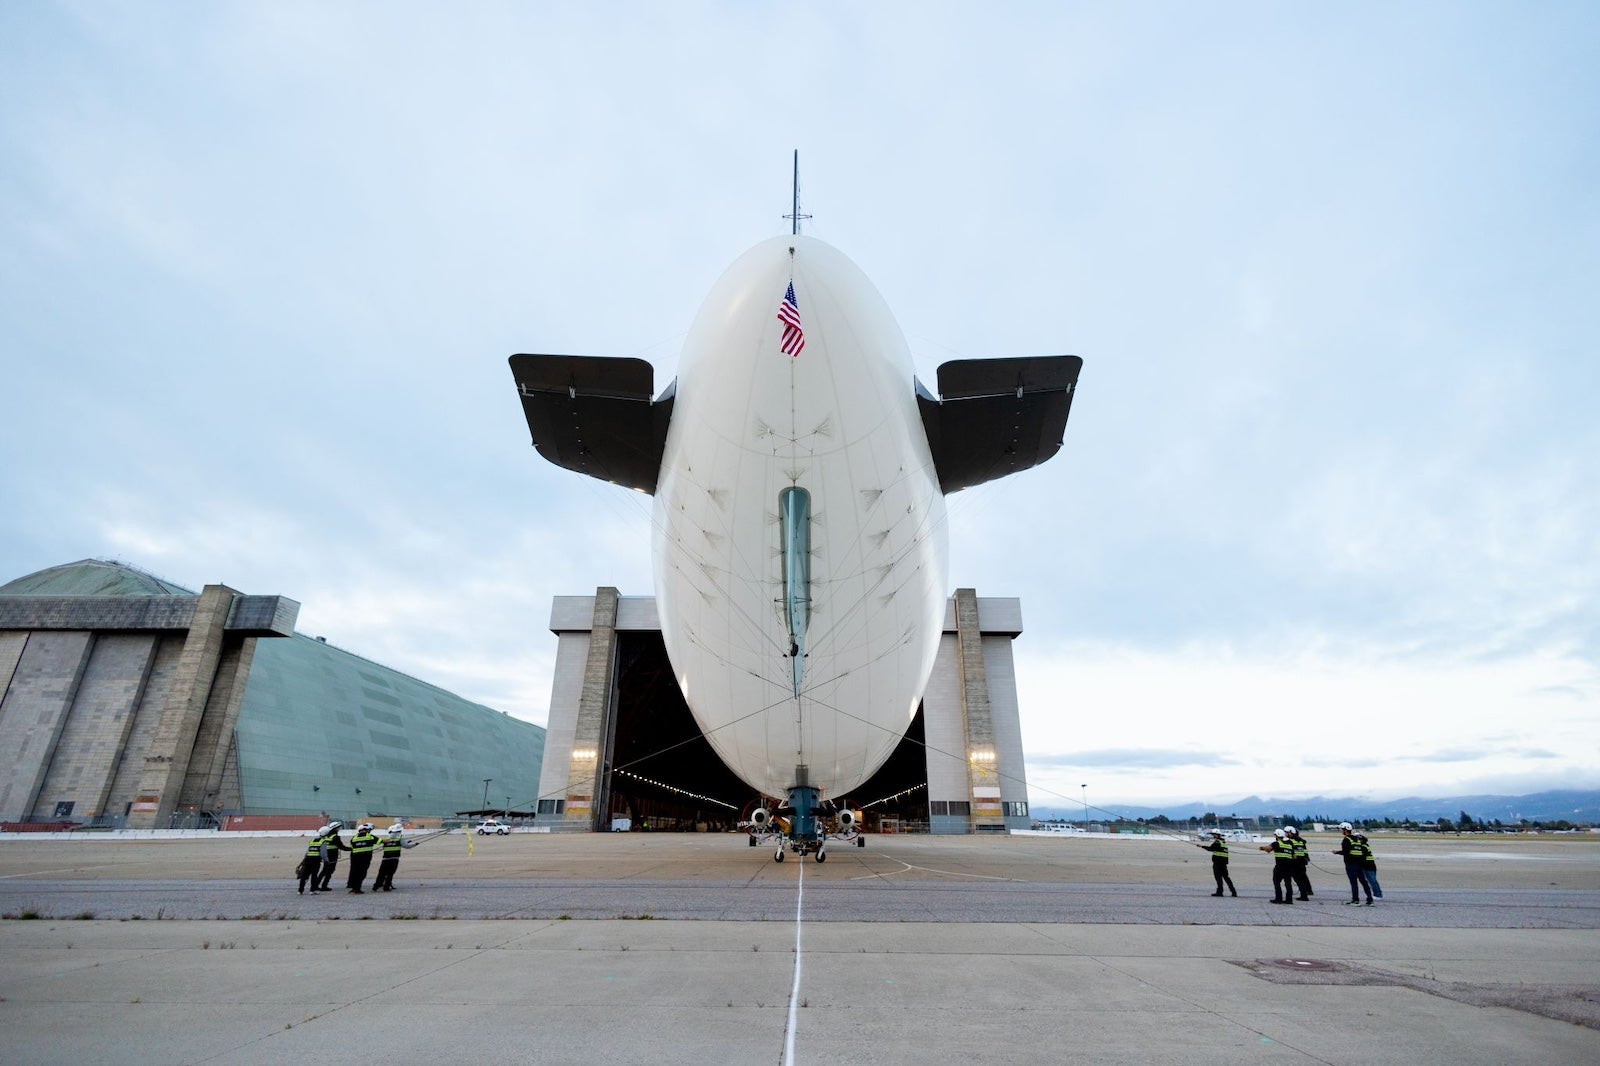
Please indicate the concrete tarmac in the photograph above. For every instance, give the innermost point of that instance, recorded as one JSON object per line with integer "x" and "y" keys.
{"x": 694, "y": 949}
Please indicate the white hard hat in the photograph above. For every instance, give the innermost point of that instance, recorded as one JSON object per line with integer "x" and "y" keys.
{"x": 1346, "y": 825}
{"x": 1279, "y": 833}
{"x": 335, "y": 825}
{"x": 364, "y": 827}
{"x": 1290, "y": 829}
{"x": 324, "y": 830}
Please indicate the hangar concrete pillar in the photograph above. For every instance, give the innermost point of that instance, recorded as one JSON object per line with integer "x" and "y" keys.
{"x": 983, "y": 781}
{"x": 593, "y": 730}
{"x": 167, "y": 762}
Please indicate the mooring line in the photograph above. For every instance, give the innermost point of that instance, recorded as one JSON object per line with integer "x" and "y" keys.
{"x": 794, "y": 994}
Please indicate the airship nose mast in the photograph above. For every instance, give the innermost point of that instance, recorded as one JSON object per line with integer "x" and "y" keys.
{"x": 796, "y": 216}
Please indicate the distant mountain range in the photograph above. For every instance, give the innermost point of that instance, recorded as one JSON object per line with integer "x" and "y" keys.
{"x": 1571, "y": 805}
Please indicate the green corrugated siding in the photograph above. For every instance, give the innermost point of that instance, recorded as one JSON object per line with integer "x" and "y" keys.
{"x": 314, "y": 715}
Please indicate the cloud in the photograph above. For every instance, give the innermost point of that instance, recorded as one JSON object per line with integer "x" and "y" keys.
{"x": 1295, "y": 716}
{"x": 1133, "y": 758}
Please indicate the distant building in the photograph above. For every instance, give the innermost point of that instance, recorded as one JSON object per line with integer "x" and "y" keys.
{"x": 126, "y": 699}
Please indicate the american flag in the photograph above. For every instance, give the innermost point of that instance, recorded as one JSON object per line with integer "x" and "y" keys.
{"x": 794, "y": 338}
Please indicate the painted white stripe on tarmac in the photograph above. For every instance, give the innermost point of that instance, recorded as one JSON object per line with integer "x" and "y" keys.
{"x": 794, "y": 994}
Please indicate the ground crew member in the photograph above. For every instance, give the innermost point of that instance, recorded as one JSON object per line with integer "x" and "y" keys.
{"x": 1219, "y": 861}
{"x": 392, "y": 845}
{"x": 311, "y": 865}
{"x": 1302, "y": 859}
{"x": 1282, "y": 867}
{"x": 1355, "y": 859}
{"x": 1371, "y": 866}
{"x": 361, "y": 846}
{"x": 331, "y": 847}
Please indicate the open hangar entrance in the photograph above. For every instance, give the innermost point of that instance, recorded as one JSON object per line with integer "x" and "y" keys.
{"x": 623, "y": 744}
{"x": 664, "y": 774}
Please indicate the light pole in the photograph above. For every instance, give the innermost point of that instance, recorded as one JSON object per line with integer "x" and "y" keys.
{"x": 486, "y": 793}
{"x": 1085, "y": 788}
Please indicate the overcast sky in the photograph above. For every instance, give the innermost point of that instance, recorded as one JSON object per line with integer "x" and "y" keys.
{"x": 1326, "y": 516}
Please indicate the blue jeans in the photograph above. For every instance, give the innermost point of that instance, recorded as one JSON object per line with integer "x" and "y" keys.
{"x": 1358, "y": 880}
{"x": 1372, "y": 879}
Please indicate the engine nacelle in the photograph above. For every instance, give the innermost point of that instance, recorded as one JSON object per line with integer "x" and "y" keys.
{"x": 761, "y": 818}
{"x": 849, "y": 820}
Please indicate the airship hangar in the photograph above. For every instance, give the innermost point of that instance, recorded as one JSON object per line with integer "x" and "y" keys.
{"x": 624, "y": 749}
{"x": 127, "y": 701}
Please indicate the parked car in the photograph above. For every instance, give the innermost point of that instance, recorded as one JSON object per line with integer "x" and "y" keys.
{"x": 489, "y": 825}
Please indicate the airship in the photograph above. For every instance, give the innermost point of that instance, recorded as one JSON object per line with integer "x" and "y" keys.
{"x": 800, "y": 543}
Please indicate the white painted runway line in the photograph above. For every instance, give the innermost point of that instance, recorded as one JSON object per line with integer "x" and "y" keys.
{"x": 794, "y": 994}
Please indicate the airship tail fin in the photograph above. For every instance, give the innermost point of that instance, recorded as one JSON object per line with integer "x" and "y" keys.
{"x": 994, "y": 417}
{"x": 596, "y": 415}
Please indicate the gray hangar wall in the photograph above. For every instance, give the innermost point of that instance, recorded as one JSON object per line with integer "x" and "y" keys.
{"x": 125, "y": 699}
{"x": 973, "y": 735}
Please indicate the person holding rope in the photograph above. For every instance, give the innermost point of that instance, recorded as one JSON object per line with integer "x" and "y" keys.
{"x": 1370, "y": 865}
{"x": 311, "y": 865}
{"x": 361, "y": 848}
{"x": 1302, "y": 859}
{"x": 331, "y": 847}
{"x": 1219, "y": 861}
{"x": 1355, "y": 860}
{"x": 393, "y": 844}
{"x": 1282, "y": 867}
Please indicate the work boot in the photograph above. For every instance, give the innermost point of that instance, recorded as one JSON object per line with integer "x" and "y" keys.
{"x": 1216, "y": 893}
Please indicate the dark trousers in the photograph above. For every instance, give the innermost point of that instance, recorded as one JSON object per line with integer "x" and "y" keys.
{"x": 326, "y": 875}
{"x": 1219, "y": 870}
{"x": 1283, "y": 881}
{"x": 386, "y": 868}
{"x": 1302, "y": 878}
{"x": 310, "y": 866}
{"x": 359, "y": 862}
{"x": 1358, "y": 881}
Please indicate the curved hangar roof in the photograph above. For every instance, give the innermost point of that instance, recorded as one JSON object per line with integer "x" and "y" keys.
{"x": 92, "y": 577}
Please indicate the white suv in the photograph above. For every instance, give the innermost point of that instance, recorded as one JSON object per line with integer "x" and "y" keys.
{"x": 492, "y": 826}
